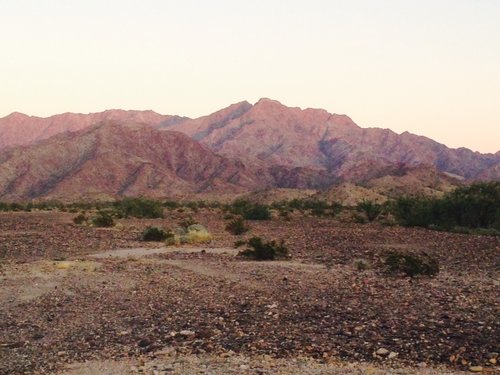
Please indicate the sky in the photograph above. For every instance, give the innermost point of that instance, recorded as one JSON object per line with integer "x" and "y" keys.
{"x": 431, "y": 67}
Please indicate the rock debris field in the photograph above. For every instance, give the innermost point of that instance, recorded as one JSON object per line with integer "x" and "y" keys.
{"x": 78, "y": 300}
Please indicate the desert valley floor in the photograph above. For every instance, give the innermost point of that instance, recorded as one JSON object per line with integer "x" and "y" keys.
{"x": 73, "y": 301}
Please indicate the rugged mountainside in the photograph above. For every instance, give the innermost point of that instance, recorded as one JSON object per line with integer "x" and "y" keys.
{"x": 243, "y": 148}
{"x": 113, "y": 159}
{"x": 314, "y": 138}
{"x": 20, "y": 129}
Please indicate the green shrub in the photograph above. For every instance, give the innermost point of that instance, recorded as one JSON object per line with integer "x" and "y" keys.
{"x": 473, "y": 206}
{"x": 237, "y": 226}
{"x": 171, "y": 204}
{"x": 154, "y": 234}
{"x": 249, "y": 210}
{"x": 411, "y": 264}
{"x": 315, "y": 206}
{"x": 103, "y": 219}
{"x": 139, "y": 208}
{"x": 262, "y": 250}
{"x": 371, "y": 209}
{"x": 257, "y": 212}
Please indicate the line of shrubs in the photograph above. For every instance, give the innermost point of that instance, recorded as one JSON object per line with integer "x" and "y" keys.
{"x": 474, "y": 208}
{"x": 466, "y": 208}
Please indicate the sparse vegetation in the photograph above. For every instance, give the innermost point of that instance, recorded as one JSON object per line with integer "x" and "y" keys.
{"x": 411, "y": 264}
{"x": 192, "y": 234}
{"x": 371, "y": 209}
{"x": 237, "y": 226}
{"x": 103, "y": 219}
{"x": 362, "y": 264}
{"x": 313, "y": 206}
{"x": 139, "y": 207}
{"x": 186, "y": 223}
{"x": 249, "y": 210}
{"x": 154, "y": 234}
{"x": 259, "y": 249}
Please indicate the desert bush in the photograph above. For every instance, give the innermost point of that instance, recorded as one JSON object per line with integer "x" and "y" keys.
{"x": 259, "y": 249}
{"x": 139, "y": 208}
{"x": 193, "y": 234}
{"x": 361, "y": 264}
{"x": 371, "y": 209}
{"x": 171, "y": 205}
{"x": 187, "y": 222}
{"x": 154, "y": 234}
{"x": 80, "y": 219}
{"x": 411, "y": 264}
{"x": 473, "y": 206}
{"x": 237, "y": 226}
{"x": 103, "y": 219}
{"x": 249, "y": 210}
{"x": 257, "y": 212}
{"x": 315, "y": 206}
{"x": 197, "y": 233}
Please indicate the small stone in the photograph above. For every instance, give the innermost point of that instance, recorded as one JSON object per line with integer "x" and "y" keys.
{"x": 187, "y": 333}
{"x": 476, "y": 369}
{"x": 493, "y": 361}
{"x": 382, "y": 352}
{"x": 392, "y": 355}
{"x": 244, "y": 367}
{"x": 61, "y": 354}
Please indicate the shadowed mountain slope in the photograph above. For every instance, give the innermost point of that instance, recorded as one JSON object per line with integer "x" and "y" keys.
{"x": 111, "y": 160}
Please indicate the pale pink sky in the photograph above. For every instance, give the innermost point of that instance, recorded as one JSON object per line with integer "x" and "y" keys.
{"x": 429, "y": 67}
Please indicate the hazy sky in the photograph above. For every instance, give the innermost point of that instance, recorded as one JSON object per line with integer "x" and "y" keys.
{"x": 431, "y": 67}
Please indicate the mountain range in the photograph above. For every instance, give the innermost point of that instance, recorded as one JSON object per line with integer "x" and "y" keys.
{"x": 238, "y": 149}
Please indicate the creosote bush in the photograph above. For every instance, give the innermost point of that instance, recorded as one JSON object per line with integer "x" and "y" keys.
{"x": 249, "y": 210}
{"x": 103, "y": 219}
{"x": 139, "y": 208}
{"x": 411, "y": 264}
{"x": 237, "y": 226}
{"x": 154, "y": 234}
{"x": 371, "y": 209}
{"x": 259, "y": 249}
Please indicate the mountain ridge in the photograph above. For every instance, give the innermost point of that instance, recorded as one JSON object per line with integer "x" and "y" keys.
{"x": 270, "y": 145}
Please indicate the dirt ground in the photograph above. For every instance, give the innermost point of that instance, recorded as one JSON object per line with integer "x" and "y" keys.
{"x": 78, "y": 300}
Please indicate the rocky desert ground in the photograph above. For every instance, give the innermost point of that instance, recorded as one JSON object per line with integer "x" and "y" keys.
{"x": 80, "y": 300}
